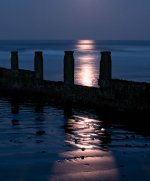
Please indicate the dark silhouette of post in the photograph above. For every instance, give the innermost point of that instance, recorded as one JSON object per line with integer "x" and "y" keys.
{"x": 14, "y": 60}
{"x": 69, "y": 68}
{"x": 38, "y": 65}
{"x": 105, "y": 75}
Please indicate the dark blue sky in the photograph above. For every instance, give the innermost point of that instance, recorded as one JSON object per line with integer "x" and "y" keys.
{"x": 75, "y": 19}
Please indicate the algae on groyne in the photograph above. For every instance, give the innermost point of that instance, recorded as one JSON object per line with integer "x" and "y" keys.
{"x": 111, "y": 95}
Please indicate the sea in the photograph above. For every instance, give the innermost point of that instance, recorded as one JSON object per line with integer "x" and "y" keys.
{"x": 38, "y": 142}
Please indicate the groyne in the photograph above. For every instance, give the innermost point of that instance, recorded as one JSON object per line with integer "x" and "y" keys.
{"x": 112, "y": 96}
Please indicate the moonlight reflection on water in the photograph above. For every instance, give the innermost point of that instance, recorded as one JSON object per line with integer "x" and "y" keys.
{"x": 86, "y": 72}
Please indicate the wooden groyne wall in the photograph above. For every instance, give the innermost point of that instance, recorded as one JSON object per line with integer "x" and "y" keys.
{"x": 112, "y": 95}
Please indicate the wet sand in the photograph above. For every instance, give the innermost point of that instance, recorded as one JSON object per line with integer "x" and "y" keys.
{"x": 117, "y": 165}
{"x": 43, "y": 144}
{"x": 104, "y": 166}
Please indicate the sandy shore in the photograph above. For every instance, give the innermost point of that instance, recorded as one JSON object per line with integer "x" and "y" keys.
{"x": 47, "y": 146}
{"x": 118, "y": 165}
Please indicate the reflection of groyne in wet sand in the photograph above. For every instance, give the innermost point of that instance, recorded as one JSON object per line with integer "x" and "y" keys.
{"x": 112, "y": 95}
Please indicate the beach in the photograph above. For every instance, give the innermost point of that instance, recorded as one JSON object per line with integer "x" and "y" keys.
{"x": 39, "y": 142}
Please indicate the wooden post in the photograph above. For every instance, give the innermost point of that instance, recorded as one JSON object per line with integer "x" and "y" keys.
{"x": 105, "y": 75}
{"x": 14, "y": 60}
{"x": 69, "y": 68}
{"x": 38, "y": 65}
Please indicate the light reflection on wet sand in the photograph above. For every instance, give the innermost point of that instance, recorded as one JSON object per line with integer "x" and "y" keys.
{"x": 84, "y": 132}
{"x": 97, "y": 153}
{"x": 90, "y": 158}
{"x": 92, "y": 168}
{"x": 39, "y": 142}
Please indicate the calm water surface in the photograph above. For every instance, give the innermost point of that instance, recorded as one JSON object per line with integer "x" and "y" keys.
{"x": 130, "y": 59}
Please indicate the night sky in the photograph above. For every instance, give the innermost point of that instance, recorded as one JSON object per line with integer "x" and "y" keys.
{"x": 75, "y": 19}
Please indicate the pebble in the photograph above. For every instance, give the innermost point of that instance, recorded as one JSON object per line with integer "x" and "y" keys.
{"x": 43, "y": 151}
{"x": 76, "y": 141}
{"x": 15, "y": 122}
{"x": 40, "y": 132}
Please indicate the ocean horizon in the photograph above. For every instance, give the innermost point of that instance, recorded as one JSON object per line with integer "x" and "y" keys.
{"x": 130, "y": 58}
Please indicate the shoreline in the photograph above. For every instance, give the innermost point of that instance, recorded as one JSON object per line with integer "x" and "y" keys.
{"x": 113, "y": 98}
